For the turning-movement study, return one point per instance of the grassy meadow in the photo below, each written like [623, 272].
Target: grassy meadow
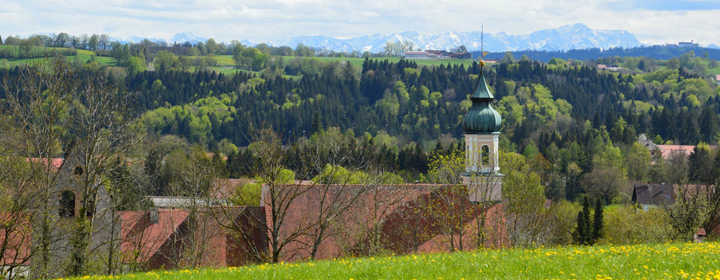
[84, 55]
[650, 261]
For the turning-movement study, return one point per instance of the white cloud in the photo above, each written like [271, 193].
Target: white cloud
[259, 21]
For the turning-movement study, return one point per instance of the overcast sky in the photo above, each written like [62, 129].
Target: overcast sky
[652, 21]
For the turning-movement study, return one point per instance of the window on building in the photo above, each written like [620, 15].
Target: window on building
[485, 153]
[90, 207]
[67, 204]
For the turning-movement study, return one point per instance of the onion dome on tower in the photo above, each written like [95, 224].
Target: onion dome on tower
[482, 118]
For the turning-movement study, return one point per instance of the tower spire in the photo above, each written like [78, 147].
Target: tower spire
[482, 40]
[482, 46]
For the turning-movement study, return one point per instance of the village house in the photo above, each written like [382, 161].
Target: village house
[653, 195]
[667, 151]
[612, 68]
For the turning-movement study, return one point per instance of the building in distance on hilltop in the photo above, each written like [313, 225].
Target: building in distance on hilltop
[436, 54]
[688, 44]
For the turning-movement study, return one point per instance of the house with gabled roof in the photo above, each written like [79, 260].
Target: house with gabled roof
[653, 195]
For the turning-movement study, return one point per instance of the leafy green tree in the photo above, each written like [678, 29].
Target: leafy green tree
[165, 61]
[120, 53]
[136, 65]
[508, 58]
[638, 162]
[604, 182]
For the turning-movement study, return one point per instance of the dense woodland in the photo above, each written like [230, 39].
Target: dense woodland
[569, 132]
[406, 111]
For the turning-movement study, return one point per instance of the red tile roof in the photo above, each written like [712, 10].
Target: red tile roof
[15, 237]
[142, 239]
[667, 150]
[225, 188]
[414, 200]
[56, 163]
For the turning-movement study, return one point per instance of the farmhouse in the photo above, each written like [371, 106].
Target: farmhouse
[667, 151]
[653, 195]
[421, 55]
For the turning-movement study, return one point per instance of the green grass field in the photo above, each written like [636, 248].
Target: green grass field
[661, 261]
[84, 55]
[715, 70]
[226, 61]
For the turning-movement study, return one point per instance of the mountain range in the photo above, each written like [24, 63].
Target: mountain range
[576, 36]
[564, 38]
[177, 38]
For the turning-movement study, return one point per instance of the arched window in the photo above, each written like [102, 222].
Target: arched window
[90, 207]
[485, 150]
[67, 204]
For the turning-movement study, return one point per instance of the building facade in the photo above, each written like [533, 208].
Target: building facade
[482, 126]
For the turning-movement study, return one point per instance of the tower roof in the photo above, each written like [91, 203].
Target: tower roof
[482, 91]
[482, 118]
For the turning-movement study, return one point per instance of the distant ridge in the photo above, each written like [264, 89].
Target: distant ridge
[179, 38]
[576, 36]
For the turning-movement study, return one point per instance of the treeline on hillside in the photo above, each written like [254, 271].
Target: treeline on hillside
[655, 52]
[419, 104]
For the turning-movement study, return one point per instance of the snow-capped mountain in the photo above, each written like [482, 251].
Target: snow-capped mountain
[576, 36]
[186, 37]
[713, 46]
[177, 38]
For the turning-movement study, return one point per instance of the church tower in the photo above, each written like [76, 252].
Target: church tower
[482, 126]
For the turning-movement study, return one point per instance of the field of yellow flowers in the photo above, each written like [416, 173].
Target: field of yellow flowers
[658, 261]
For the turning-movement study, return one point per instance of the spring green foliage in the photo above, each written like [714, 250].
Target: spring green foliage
[248, 194]
[667, 261]
[532, 102]
[625, 224]
[340, 175]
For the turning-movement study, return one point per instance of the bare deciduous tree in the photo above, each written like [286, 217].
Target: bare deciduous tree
[40, 100]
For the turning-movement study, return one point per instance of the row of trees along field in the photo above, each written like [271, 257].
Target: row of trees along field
[569, 132]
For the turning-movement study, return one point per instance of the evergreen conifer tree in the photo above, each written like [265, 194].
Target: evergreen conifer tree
[597, 222]
[583, 233]
[317, 125]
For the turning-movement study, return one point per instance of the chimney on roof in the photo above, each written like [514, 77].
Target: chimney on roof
[154, 216]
